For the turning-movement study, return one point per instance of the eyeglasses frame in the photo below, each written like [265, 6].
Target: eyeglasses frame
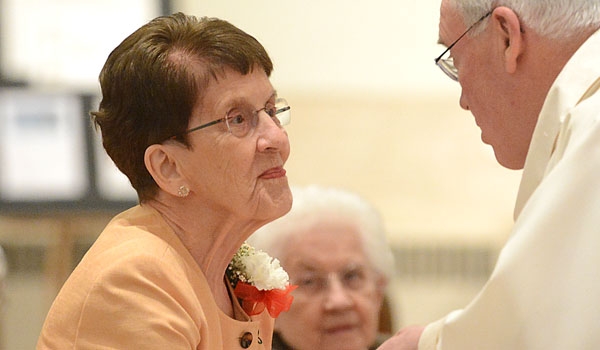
[220, 120]
[451, 73]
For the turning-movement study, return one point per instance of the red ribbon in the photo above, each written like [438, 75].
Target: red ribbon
[254, 301]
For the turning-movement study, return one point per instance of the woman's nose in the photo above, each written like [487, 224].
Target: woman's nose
[337, 296]
[272, 136]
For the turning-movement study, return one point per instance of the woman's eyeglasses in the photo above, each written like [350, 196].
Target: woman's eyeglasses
[353, 278]
[240, 121]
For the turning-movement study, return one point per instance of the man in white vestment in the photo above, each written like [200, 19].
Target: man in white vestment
[529, 71]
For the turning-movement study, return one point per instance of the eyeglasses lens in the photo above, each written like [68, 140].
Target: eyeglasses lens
[241, 122]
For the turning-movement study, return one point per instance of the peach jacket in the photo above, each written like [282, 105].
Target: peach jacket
[139, 288]
[544, 292]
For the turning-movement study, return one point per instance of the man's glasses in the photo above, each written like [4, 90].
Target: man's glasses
[447, 64]
[240, 121]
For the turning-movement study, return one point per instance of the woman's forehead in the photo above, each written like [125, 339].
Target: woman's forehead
[325, 245]
[234, 89]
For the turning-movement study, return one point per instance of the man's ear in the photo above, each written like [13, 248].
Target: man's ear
[509, 30]
[164, 168]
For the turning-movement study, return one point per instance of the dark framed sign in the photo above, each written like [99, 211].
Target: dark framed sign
[51, 157]
[51, 52]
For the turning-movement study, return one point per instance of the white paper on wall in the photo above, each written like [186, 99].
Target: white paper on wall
[42, 147]
[66, 42]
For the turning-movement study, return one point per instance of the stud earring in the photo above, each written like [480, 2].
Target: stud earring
[183, 191]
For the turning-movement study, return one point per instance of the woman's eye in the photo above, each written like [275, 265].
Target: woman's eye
[306, 282]
[354, 278]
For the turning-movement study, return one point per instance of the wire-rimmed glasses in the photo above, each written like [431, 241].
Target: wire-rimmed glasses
[240, 121]
[447, 64]
[354, 278]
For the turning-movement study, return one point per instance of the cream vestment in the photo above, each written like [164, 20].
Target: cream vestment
[544, 292]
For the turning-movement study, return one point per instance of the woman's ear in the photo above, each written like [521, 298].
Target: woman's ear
[164, 169]
[511, 36]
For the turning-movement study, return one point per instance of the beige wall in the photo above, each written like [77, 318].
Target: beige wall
[420, 160]
[375, 46]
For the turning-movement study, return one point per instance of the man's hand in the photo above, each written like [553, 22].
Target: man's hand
[406, 339]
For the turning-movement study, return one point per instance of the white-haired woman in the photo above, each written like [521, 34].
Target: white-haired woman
[333, 246]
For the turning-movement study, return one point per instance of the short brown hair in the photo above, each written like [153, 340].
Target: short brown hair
[149, 90]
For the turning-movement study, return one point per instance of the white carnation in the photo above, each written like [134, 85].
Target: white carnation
[265, 272]
[257, 268]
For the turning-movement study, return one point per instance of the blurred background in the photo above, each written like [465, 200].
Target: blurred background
[370, 113]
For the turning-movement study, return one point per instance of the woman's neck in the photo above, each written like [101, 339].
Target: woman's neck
[211, 244]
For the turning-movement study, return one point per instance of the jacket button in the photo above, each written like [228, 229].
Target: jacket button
[246, 340]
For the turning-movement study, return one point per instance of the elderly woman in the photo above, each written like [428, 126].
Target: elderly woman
[189, 115]
[333, 246]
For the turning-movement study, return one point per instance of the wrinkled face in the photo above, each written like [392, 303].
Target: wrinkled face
[495, 97]
[232, 176]
[337, 302]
